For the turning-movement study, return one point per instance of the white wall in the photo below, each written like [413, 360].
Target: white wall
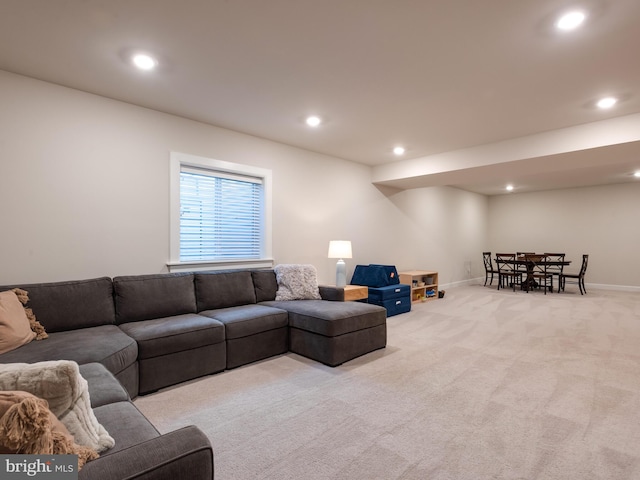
[602, 221]
[442, 229]
[84, 182]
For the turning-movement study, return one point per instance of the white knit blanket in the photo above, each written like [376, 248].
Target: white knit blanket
[59, 382]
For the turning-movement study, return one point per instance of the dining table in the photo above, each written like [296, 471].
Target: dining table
[529, 261]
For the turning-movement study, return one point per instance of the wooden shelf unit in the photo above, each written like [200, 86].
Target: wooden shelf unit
[419, 292]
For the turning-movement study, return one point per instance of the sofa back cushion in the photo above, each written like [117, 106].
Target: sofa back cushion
[265, 284]
[61, 306]
[144, 297]
[224, 289]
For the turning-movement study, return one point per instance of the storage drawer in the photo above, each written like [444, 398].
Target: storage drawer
[389, 292]
[395, 306]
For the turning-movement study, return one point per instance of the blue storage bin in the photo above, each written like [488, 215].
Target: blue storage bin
[384, 287]
[389, 292]
[369, 276]
[395, 306]
[391, 273]
[374, 275]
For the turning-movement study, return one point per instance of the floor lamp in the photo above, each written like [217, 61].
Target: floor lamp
[340, 249]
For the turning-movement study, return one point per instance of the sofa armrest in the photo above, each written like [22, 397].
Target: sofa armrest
[331, 293]
[183, 453]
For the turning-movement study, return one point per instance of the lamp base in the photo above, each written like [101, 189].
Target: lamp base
[341, 273]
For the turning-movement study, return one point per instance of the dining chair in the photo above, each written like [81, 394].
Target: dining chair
[538, 274]
[576, 278]
[507, 270]
[520, 255]
[555, 270]
[488, 267]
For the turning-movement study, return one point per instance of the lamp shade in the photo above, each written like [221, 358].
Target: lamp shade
[339, 249]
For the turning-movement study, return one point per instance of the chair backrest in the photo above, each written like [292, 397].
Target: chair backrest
[537, 261]
[583, 268]
[522, 254]
[505, 262]
[486, 257]
[555, 257]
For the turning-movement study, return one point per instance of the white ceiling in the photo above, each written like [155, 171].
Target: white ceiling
[434, 76]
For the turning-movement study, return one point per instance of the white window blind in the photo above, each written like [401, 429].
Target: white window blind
[221, 215]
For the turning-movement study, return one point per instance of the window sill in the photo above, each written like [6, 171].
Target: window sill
[219, 265]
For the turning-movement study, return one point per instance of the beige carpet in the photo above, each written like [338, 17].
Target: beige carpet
[482, 384]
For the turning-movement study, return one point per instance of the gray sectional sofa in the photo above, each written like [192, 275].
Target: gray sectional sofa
[133, 335]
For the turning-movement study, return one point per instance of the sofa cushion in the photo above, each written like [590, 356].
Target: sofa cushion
[14, 324]
[163, 336]
[265, 285]
[331, 318]
[62, 306]
[126, 425]
[106, 344]
[103, 386]
[143, 297]
[223, 289]
[183, 453]
[248, 320]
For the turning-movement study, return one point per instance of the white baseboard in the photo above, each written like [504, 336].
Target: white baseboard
[619, 288]
[469, 281]
[594, 286]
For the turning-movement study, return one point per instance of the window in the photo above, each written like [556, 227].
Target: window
[220, 214]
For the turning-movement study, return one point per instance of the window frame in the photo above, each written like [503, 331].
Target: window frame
[176, 161]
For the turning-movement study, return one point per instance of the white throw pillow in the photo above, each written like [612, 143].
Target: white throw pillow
[59, 382]
[297, 282]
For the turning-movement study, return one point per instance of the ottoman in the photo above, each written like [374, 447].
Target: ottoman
[395, 298]
[384, 287]
[334, 332]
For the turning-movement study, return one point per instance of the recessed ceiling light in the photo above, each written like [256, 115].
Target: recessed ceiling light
[571, 20]
[313, 121]
[398, 150]
[509, 188]
[607, 102]
[637, 174]
[144, 61]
